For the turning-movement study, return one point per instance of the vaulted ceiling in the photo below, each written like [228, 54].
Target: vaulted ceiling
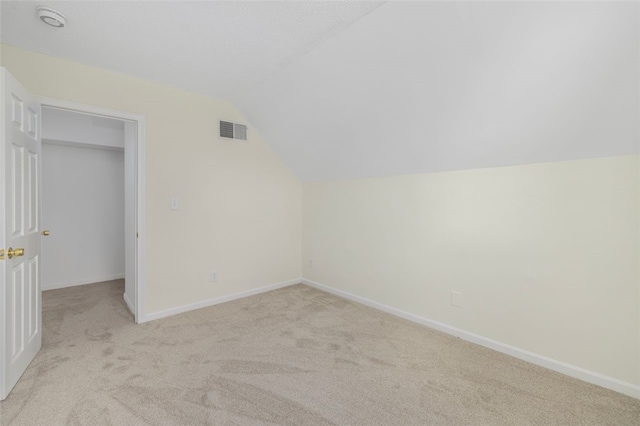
[215, 48]
[357, 89]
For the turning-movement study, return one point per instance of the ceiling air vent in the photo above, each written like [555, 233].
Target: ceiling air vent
[229, 130]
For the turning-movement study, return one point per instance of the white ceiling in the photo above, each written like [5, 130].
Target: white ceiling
[425, 87]
[355, 89]
[210, 47]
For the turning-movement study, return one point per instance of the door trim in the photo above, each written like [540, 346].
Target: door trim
[140, 173]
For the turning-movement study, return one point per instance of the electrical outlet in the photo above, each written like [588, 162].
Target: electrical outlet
[311, 263]
[174, 204]
[214, 277]
[456, 298]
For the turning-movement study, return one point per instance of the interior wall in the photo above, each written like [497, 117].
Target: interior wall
[239, 205]
[83, 207]
[69, 126]
[130, 238]
[546, 256]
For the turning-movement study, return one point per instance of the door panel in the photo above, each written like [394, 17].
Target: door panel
[33, 299]
[32, 128]
[32, 193]
[17, 107]
[16, 189]
[20, 183]
[17, 303]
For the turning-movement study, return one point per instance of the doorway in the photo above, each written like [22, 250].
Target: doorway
[104, 140]
[21, 232]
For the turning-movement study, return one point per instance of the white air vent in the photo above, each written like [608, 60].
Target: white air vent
[229, 130]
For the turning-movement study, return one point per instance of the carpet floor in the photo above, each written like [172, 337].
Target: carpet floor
[294, 356]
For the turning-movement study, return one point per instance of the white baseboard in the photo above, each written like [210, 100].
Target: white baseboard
[215, 301]
[84, 281]
[543, 361]
[129, 304]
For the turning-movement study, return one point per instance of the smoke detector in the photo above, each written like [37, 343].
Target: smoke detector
[51, 16]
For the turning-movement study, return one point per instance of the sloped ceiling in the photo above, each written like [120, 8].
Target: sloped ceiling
[434, 86]
[213, 48]
[354, 89]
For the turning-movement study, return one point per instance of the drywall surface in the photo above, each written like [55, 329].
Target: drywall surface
[432, 86]
[68, 126]
[130, 239]
[545, 256]
[239, 205]
[83, 206]
[260, 36]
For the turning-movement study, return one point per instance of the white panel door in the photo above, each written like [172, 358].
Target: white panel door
[20, 184]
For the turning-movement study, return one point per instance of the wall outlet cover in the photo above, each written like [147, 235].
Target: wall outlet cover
[174, 204]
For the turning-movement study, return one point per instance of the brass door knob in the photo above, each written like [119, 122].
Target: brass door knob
[1, 254]
[46, 233]
[17, 252]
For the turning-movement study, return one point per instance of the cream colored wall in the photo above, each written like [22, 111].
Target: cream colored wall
[546, 255]
[239, 205]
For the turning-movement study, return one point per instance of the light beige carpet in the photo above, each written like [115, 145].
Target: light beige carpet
[291, 356]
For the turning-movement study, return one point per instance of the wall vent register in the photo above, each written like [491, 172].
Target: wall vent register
[229, 130]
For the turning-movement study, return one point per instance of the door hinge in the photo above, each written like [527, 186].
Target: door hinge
[136, 235]
[1, 254]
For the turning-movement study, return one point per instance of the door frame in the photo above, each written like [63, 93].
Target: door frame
[139, 192]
